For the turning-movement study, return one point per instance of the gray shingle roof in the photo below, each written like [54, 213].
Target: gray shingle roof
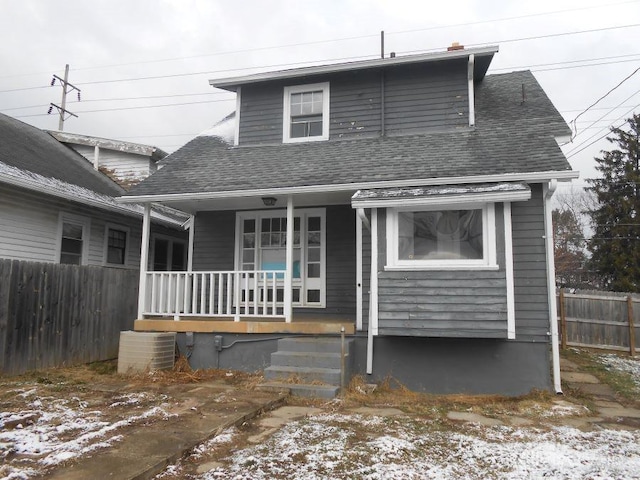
[33, 150]
[511, 136]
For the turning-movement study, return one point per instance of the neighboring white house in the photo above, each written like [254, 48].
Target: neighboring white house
[55, 207]
[126, 162]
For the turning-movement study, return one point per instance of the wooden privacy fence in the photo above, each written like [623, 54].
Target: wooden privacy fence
[55, 315]
[605, 320]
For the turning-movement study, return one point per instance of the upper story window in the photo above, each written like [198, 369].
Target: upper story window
[306, 113]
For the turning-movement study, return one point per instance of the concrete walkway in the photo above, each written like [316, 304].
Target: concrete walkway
[146, 451]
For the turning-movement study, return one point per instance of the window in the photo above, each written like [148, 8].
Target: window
[74, 232]
[262, 244]
[116, 245]
[169, 254]
[462, 236]
[306, 113]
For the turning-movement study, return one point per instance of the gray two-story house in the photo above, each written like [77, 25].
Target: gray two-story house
[405, 200]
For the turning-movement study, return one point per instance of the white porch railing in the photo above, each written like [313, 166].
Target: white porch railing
[256, 293]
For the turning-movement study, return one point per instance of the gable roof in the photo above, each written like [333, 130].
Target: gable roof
[511, 137]
[30, 149]
[483, 56]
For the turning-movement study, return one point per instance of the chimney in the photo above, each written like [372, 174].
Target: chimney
[455, 46]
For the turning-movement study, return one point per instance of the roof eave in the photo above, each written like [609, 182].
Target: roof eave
[231, 83]
[531, 177]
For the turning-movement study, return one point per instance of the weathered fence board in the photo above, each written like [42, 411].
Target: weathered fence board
[54, 315]
[604, 320]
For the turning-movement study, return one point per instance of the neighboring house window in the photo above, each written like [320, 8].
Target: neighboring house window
[306, 113]
[460, 236]
[169, 254]
[262, 244]
[116, 245]
[74, 237]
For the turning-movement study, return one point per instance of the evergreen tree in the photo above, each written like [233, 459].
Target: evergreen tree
[615, 245]
[568, 250]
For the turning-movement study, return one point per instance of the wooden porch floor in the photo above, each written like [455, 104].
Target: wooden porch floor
[298, 325]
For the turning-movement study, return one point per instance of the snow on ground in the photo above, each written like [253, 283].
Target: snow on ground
[48, 431]
[355, 446]
[629, 365]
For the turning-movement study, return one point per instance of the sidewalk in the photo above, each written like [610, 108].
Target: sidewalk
[146, 451]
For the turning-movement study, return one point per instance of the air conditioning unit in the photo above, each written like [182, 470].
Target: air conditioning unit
[146, 351]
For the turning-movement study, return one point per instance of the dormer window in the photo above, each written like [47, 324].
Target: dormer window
[306, 113]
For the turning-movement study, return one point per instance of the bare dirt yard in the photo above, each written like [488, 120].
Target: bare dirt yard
[50, 419]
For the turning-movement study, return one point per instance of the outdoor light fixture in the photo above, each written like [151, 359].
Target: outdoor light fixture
[269, 201]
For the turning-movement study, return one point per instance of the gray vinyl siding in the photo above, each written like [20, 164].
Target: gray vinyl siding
[443, 303]
[30, 228]
[427, 98]
[530, 268]
[214, 241]
[416, 100]
[261, 112]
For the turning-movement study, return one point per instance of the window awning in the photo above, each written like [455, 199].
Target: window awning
[442, 195]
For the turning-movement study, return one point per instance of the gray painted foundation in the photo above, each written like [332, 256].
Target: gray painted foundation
[432, 365]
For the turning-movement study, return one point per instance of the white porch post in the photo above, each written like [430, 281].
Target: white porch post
[288, 276]
[144, 259]
[192, 226]
[508, 264]
[358, 270]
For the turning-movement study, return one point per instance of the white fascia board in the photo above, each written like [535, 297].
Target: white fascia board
[534, 177]
[230, 83]
[487, 197]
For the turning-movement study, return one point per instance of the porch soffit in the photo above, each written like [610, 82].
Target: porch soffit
[433, 195]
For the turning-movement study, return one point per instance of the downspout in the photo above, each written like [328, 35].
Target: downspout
[551, 285]
[373, 294]
[472, 100]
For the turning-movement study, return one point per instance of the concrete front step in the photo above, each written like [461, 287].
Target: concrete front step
[301, 389]
[308, 359]
[320, 345]
[330, 376]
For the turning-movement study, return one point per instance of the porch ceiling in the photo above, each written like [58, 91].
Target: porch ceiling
[193, 205]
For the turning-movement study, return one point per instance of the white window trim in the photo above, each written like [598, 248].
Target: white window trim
[286, 119]
[127, 244]
[488, 262]
[258, 215]
[85, 223]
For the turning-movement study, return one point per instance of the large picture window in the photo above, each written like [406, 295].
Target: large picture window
[306, 113]
[463, 236]
[262, 245]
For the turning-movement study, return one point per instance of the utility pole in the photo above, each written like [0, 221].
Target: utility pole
[66, 88]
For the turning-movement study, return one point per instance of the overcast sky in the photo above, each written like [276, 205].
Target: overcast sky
[127, 54]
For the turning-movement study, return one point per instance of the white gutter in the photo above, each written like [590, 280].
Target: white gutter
[465, 198]
[551, 285]
[533, 177]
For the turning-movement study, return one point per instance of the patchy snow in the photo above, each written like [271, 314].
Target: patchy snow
[49, 431]
[628, 365]
[224, 129]
[355, 446]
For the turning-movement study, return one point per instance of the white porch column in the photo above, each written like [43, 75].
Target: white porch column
[144, 259]
[192, 226]
[288, 276]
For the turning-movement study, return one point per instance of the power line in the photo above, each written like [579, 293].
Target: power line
[342, 39]
[281, 65]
